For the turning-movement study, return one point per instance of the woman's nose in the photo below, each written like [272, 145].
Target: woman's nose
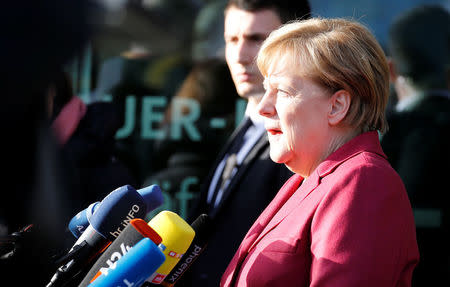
[266, 106]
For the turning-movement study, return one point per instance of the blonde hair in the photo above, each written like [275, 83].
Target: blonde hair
[337, 54]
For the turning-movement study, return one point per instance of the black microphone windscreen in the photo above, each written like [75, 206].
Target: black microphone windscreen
[201, 226]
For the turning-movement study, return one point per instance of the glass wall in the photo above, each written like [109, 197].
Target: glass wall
[139, 60]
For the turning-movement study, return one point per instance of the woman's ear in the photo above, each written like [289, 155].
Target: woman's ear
[340, 103]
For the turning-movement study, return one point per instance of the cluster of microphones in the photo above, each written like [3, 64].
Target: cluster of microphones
[115, 246]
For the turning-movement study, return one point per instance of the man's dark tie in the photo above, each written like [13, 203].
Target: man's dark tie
[228, 169]
[231, 158]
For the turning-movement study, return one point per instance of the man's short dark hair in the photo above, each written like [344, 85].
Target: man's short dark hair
[419, 45]
[287, 10]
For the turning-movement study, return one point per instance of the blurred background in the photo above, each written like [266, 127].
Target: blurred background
[135, 92]
[154, 102]
[146, 48]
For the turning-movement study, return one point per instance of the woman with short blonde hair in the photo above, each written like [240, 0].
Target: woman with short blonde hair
[343, 218]
[338, 54]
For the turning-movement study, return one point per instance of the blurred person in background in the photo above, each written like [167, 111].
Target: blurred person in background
[418, 140]
[344, 218]
[144, 77]
[85, 134]
[243, 179]
[37, 39]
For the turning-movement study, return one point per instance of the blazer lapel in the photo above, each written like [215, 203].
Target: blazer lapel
[308, 185]
[238, 132]
[260, 224]
[298, 195]
[251, 156]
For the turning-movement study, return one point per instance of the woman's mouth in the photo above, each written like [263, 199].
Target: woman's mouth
[274, 131]
[244, 77]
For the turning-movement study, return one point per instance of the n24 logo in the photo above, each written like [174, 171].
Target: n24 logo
[112, 261]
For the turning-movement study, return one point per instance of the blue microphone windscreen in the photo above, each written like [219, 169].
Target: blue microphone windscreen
[80, 222]
[152, 196]
[116, 211]
[91, 209]
[133, 268]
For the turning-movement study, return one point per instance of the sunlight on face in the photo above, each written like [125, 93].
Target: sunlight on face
[295, 115]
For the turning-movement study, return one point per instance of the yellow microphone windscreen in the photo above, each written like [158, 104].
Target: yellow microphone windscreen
[177, 236]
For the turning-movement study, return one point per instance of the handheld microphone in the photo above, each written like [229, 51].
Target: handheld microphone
[176, 236]
[137, 230]
[80, 222]
[202, 227]
[113, 214]
[152, 196]
[134, 267]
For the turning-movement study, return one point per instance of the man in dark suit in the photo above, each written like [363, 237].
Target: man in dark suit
[243, 179]
[417, 143]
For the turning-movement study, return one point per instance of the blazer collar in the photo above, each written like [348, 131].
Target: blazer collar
[295, 190]
[254, 232]
[235, 180]
[238, 132]
[367, 142]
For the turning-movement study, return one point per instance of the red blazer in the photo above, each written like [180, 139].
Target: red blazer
[349, 223]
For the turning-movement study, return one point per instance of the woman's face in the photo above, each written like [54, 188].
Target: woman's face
[295, 111]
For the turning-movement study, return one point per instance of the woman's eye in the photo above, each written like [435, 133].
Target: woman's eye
[282, 93]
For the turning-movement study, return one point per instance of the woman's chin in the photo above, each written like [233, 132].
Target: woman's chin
[279, 157]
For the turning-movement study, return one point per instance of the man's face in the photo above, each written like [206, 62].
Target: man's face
[244, 33]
